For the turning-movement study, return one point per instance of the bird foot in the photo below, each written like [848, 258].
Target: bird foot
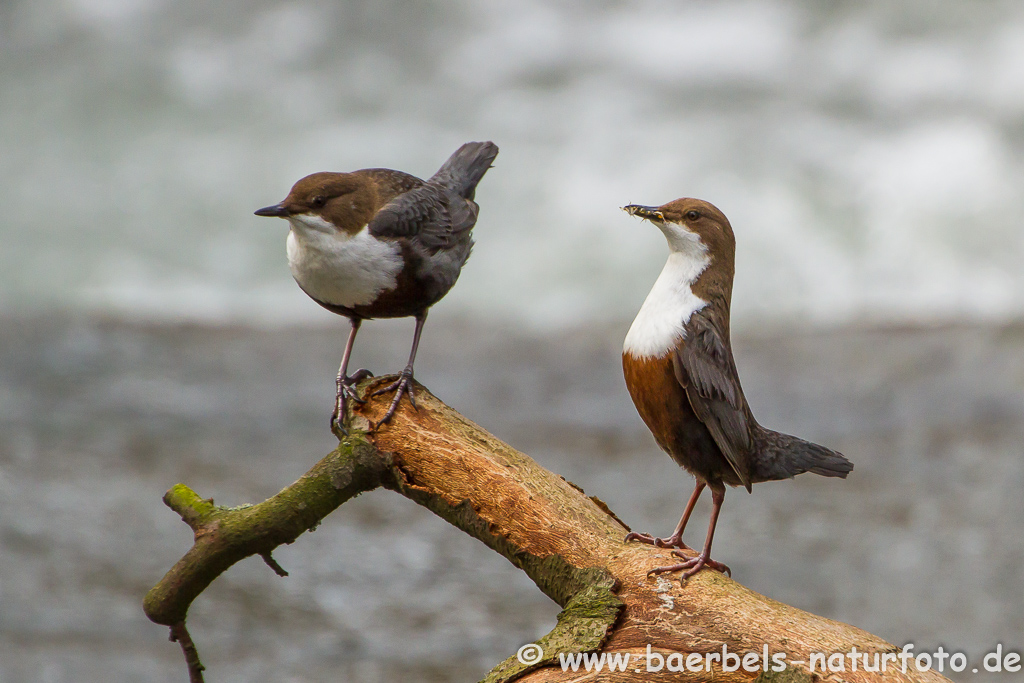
[403, 385]
[691, 566]
[670, 542]
[346, 390]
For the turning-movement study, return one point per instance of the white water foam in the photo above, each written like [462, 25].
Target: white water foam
[869, 157]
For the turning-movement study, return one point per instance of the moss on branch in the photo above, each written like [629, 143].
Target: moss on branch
[224, 535]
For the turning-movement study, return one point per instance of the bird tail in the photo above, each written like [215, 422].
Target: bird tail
[466, 167]
[786, 456]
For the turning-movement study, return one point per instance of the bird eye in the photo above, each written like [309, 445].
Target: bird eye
[692, 215]
[317, 201]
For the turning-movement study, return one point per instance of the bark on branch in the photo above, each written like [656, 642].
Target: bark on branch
[569, 544]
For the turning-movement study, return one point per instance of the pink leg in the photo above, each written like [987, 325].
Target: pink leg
[693, 565]
[676, 539]
[404, 383]
[346, 384]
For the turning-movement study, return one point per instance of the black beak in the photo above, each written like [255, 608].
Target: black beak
[275, 211]
[648, 212]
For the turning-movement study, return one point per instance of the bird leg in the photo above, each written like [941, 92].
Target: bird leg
[403, 385]
[693, 565]
[346, 384]
[676, 539]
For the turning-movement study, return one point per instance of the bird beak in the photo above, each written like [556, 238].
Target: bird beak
[275, 211]
[648, 212]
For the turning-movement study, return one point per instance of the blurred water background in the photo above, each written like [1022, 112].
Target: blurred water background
[870, 156]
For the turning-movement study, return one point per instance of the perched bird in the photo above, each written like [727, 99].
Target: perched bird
[378, 243]
[681, 375]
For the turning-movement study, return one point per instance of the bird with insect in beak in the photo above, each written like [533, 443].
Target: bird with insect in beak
[378, 243]
[680, 373]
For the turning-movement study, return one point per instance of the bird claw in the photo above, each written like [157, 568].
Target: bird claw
[691, 566]
[346, 390]
[670, 542]
[403, 385]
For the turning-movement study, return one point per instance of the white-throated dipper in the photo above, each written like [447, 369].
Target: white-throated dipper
[681, 375]
[378, 243]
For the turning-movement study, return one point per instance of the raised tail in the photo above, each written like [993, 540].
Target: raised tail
[466, 167]
[782, 456]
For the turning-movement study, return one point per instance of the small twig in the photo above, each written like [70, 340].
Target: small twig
[272, 563]
[180, 635]
[224, 536]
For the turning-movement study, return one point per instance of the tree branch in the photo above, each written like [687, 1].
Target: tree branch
[223, 536]
[568, 544]
[180, 635]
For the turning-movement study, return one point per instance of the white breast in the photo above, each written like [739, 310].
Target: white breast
[338, 268]
[660, 324]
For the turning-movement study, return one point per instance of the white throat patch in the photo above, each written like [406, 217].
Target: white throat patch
[338, 268]
[661, 322]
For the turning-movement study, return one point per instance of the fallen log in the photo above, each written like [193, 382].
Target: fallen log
[569, 544]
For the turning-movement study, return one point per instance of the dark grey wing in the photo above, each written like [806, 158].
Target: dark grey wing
[705, 368]
[432, 216]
